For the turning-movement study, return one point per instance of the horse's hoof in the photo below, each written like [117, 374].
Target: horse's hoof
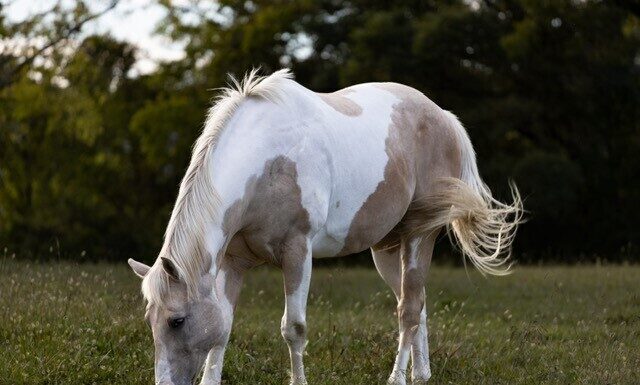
[397, 379]
[421, 379]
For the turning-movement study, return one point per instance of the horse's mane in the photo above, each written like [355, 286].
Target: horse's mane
[198, 201]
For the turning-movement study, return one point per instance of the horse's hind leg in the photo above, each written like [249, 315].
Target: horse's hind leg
[420, 367]
[388, 264]
[406, 276]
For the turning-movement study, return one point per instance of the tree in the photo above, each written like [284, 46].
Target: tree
[549, 92]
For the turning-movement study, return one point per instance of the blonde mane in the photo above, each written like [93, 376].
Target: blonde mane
[198, 201]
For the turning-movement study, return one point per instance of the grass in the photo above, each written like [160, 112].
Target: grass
[82, 324]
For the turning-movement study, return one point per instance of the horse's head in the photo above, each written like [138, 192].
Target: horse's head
[185, 327]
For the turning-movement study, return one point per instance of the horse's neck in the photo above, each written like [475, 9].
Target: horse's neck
[257, 132]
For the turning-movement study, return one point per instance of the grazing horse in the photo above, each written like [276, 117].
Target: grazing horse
[282, 174]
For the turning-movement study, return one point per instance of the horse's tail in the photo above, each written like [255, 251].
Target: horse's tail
[481, 226]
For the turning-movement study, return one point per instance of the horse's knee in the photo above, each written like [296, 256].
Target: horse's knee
[293, 331]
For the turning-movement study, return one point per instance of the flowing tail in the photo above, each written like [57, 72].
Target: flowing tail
[481, 226]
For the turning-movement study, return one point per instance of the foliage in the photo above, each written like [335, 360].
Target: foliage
[91, 156]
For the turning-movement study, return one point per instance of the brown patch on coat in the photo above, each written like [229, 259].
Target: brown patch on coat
[438, 152]
[386, 206]
[413, 279]
[421, 148]
[293, 255]
[237, 260]
[412, 299]
[339, 102]
[270, 222]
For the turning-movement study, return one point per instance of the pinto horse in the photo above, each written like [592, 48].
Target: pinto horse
[281, 174]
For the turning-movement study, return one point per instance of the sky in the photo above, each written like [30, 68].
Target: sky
[133, 21]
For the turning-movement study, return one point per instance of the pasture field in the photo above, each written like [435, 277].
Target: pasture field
[65, 323]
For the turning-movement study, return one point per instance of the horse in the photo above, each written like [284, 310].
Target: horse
[281, 175]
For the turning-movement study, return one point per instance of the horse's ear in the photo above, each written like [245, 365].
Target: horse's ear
[139, 268]
[170, 268]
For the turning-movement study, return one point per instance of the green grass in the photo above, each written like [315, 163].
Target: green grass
[82, 324]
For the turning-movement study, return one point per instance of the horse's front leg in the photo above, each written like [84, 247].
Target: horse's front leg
[296, 269]
[213, 366]
[228, 285]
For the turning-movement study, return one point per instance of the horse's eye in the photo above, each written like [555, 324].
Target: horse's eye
[175, 322]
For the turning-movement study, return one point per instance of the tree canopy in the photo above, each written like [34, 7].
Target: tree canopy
[91, 154]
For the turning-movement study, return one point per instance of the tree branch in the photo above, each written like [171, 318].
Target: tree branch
[64, 35]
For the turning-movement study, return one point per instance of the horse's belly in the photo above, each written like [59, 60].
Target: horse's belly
[340, 212]
[366, 190]
[364, 207]
[377, 217]
[325, 245]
